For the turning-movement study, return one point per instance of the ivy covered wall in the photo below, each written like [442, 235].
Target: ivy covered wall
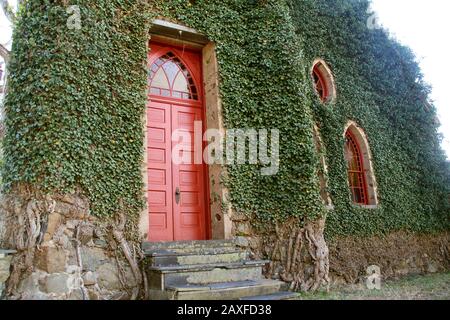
[77, 98]
[76, 101]
[380, 86]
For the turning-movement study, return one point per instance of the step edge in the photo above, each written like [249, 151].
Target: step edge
[224, 294]
[260, 284]
[192, 244]
[206, 267]
[182, 254]
[282, 295]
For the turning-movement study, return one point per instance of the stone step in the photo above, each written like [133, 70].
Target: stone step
[282, 295]
[4, 253]
[188, 245]
[191, 251]
[161, 277]
[218, 291]
[170, 258]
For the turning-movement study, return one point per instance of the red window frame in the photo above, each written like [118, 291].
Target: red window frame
[320, 84]
[356, 176]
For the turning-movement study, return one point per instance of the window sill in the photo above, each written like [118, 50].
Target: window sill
[367, 207]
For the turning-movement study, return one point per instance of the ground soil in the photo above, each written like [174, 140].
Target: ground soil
[419, 287]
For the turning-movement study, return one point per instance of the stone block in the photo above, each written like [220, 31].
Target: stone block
[76, 295]
[5, 264]
[51, 260]
[243, 228]
[92, 258]
[36, 296]
[75, 200]
[255, 243]
[57, 283]
[261, 287]
[108, 277]
[54, 220]
[30, 285]
[94, 295]
[432, 267]
[86, 233]
[242, 241]
[239, 217]
[90, 278]
[101, 243]
[71, 211]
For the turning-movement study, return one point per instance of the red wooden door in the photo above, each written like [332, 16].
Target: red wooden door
[176, 189]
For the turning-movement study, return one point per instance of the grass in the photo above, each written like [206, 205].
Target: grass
[428, 287]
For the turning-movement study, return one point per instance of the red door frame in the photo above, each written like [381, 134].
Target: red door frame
[197, 75]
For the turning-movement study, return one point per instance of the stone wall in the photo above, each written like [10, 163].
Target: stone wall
[397, 254]
[74, 258]
[245, 235]
[5, 263]
[77, 257]
[3, 222]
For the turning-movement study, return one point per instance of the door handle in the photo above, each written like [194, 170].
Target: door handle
[177, 195]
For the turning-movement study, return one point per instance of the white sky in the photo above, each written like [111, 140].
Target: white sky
[423, 25]
[5, 26]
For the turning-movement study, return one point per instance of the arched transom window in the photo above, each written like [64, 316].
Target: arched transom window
[169, 77]
[361, 177]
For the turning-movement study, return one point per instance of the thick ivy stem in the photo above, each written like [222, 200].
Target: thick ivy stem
[118, 232]
[24, 231]
[305, 246]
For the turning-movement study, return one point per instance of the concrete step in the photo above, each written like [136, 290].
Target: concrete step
[218, 291]
[191, 251]
[282, 295]
[170, 258]
[187, 245]
[161, 277]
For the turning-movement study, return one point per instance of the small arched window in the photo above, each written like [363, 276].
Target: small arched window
[323, 81]
[355, 168]
[169, 77]
[361, 177]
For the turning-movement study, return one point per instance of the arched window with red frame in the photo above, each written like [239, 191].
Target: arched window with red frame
[320, 84]
[355, 169]
[323, 81]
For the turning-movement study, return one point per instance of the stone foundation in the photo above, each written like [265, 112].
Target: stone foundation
[397, 254]
[75, 256]
[5, 264]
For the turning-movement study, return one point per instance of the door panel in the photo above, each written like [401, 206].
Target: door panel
[159, 172]
[189, 212]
